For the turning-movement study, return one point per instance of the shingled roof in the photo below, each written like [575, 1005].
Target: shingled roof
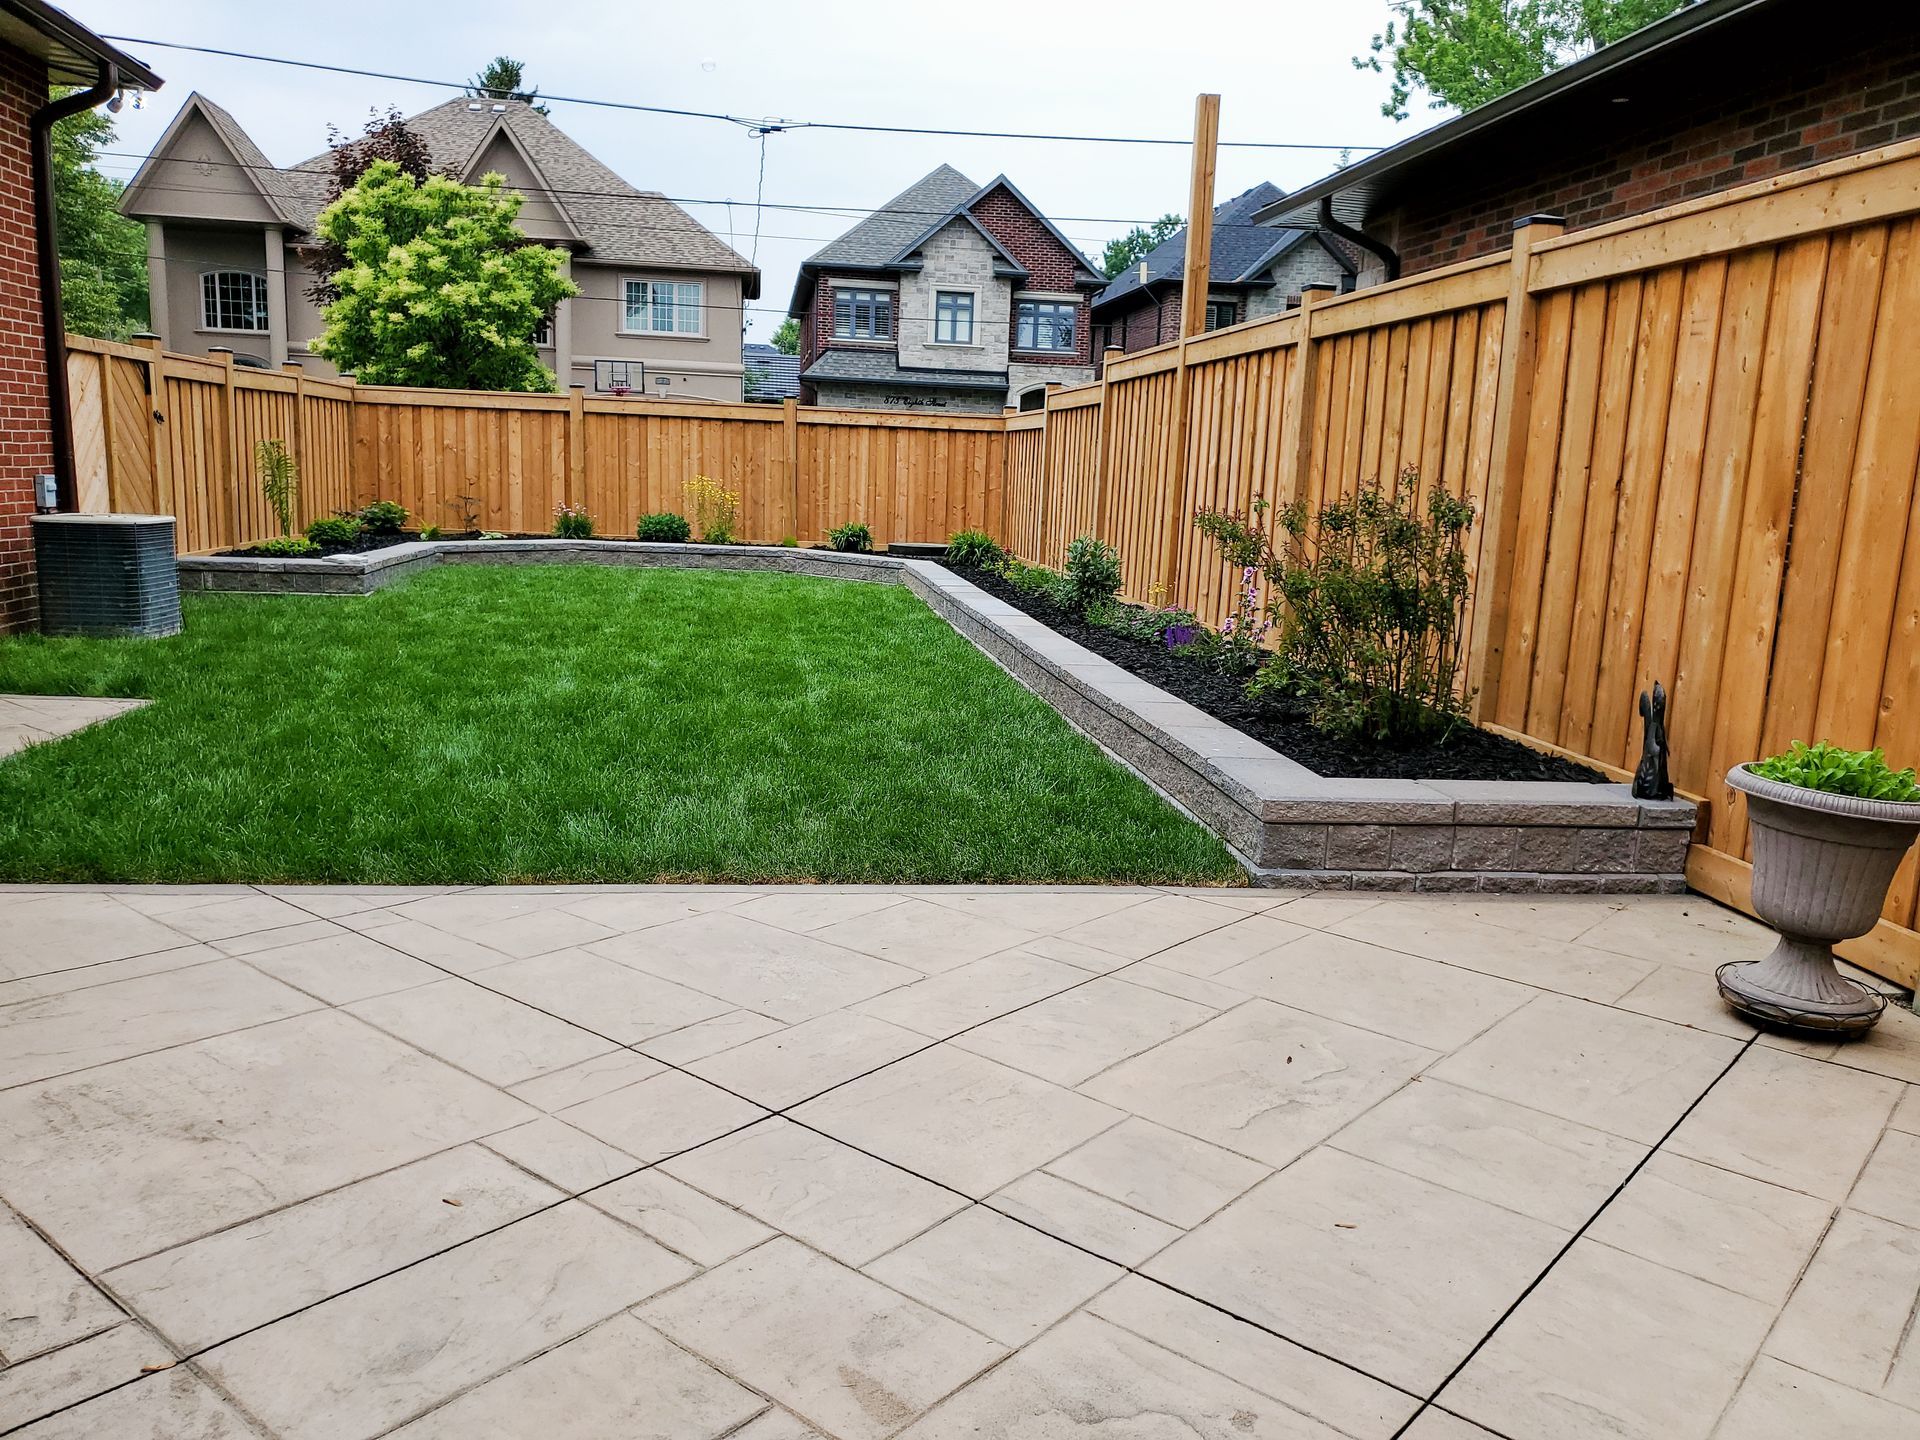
[1241, 251]
[615, 222]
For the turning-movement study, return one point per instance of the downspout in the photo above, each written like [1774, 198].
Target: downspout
[1388, 257]
[47, 246]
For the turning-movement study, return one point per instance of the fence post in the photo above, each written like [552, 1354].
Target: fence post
[1177, 480]
[1513, 404]
[1103, 440]
[790, 438]
[222, 355]
[1296, 427]
[576, 481]
[158, 451]
[298, 440]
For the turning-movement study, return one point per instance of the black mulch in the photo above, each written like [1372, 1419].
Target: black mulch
[1466, 754]
[361, 544]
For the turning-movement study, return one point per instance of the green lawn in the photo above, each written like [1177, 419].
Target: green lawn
[543, 724]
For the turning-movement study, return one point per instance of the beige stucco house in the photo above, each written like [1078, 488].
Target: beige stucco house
[660, 304]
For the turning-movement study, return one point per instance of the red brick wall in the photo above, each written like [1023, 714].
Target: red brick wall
[26, 436]
[1850, 88]
[1048, 263]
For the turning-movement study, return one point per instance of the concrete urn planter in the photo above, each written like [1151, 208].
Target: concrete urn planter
[1821, 867]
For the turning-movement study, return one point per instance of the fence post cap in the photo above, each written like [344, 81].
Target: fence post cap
[1544, 217]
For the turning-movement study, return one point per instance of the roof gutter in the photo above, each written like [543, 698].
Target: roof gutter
[1388, 256]
[47, 246]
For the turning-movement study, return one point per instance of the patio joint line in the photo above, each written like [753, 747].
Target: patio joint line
[1574, 1239]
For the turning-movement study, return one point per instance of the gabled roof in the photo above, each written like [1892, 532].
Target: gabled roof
[1658, 61]
[886, 239]
[1241, 252]
[615, 222]
[276, 189]
[500, 130]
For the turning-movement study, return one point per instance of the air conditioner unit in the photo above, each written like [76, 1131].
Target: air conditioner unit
[107, 574]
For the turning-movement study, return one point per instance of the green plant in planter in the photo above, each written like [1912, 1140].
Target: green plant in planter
[383, 517]
[973, 547]
[1093, 573]
[667, 527]
[1827, 767]
[287, 547]
[334, 531]
[279, 481]
[855, 538]
[572, 522]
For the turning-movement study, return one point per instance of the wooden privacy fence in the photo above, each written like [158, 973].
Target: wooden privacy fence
[1691, 438]
[156, 432]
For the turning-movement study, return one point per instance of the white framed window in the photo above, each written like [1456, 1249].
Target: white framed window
[863, 314]
[1044, 325]
[953, 317]
[1221, 314]
[665, 307]
[233, 300]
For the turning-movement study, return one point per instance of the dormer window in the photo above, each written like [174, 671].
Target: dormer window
[233, 300]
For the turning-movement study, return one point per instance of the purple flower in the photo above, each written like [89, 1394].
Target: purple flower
[1178, 636]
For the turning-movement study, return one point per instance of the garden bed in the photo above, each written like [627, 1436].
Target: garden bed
[1466, 754]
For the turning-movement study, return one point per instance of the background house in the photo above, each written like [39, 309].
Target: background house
[39, 47]
[1254, 271]
[659, 309]
[772, 374]
[1718, 94]
[952, 295]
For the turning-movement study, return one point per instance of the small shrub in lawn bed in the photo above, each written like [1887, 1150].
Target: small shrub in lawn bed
[973, 547]
[1034, 580]
[1162, 626]
[286, 547]
[382, 517]
[432, 532]
[1835, 770]
[1093, 573]
[669, 528]
[855, 538]
[716, 509]
[572, 522]
[279, 481]
[335, 532]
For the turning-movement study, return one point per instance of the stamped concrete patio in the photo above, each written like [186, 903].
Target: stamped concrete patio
[695, 1163]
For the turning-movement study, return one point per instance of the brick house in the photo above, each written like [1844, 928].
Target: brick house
[952, 296]
[1718, 94]
[39, 47]
[1254, 271]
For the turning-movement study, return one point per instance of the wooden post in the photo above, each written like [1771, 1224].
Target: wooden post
[576, 483]
[1104, 443]
[1513, 405]
[1199, 261]
[1296, 429]
[790, 438]
[297, 441]
[222, 355]
[158, 450]
[107, 437]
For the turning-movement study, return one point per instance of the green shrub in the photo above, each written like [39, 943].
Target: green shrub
[279, 481]
[432, 532]
[1829, 768]
[1093, 573]
[667, 527]
[1371, 595]
[1148, 625]
[383, 517]
[1034, 580]
[334, 531]
[973, 547]
[491, 535]
[787, 542]
[572, 522]
[286, 547]
[855, 538]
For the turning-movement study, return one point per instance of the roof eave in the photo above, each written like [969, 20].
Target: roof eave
[73, 45]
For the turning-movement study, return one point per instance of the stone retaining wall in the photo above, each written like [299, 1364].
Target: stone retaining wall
[1288, 825]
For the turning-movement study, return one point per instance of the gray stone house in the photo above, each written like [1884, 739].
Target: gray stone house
[1253, 271]
[951, 296]
[661, 299]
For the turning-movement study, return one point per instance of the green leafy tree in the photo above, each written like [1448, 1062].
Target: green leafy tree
[1133, 246]
[1464, 53]
[787, 338]
[103, 267]
[384, 137]
[439, 288]
[502, 80]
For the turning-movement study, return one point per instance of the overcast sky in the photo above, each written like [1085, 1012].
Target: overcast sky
[1282, 69]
